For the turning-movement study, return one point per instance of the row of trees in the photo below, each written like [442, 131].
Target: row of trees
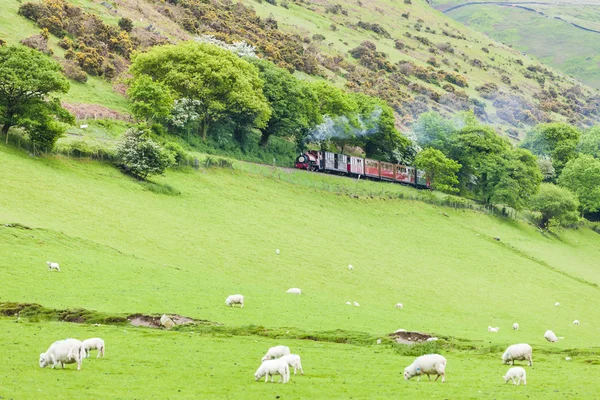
[555, 171]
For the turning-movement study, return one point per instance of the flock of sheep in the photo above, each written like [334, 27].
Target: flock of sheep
[278, 359]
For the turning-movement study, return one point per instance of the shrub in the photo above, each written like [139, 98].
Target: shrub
[126, 24]
[37, 42]
[73, 71]
[178, 152]
[140, 156]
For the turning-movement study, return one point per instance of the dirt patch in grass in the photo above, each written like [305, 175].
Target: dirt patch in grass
[153, 321]
[410, 337]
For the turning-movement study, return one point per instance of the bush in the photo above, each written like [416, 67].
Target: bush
[126, 24]
[140, 156]
[178, 152]
[38, 42]
[73, 71]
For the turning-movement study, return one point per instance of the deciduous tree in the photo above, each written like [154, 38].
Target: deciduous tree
[556, 204]
[440, 170]
[582, 177]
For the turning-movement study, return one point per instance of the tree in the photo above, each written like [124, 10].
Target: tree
[556, 204]
[333, 101]
[557, 140]
[439, 169]
[150, 100]
[141, 156]
[221, 82]
[582, 177]
[433, 130]
[294, 104]
[46, 123]
[546, 168]
[126, 24]
[27, 79]
[518, 179]
[589, 143]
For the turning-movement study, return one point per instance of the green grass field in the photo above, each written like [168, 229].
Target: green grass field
[123, 250]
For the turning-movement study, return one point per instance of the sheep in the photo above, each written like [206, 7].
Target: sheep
[52, 265]
[576, 322]
[514, 352]
[356, 304]
[398, 305]
[516, 326]
[293, 361]
[276, 352]
[427, 364]
[515, 373]
[400, 330]
[94, 343]
[432, 339]
[63, 352]
[273, 367]
[490, 329]
[294, 290]
[235, 299]
[277, 251]
[350, 267]
[166, 321]
[567, 358]
[550, 336]
[348, 303]
[556, 304]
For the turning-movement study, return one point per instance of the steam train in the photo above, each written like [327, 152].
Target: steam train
[328, 162]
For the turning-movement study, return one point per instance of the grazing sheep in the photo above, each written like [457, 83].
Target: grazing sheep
[63, 352]
[348, 303]
[398, 305]
[235, 299]
[515, 373]
[576, 322]
[293, 361]
[567, 358]
[273, 367]
[94, 344]
[490, 329]
[516, 326]
[550, 336]
[356, 304]
[166, 321]
[294, 290]
[428, 364]
[378, 341]
[556, 304]
[514, 352]
[400, 330]
[277, 251]
[276, 352]
[350, 267]
[432, 339]
[53, 265]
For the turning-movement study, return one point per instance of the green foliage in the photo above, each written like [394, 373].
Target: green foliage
[589, 143]
[294, 104]
[518, 179]
[433, 130]
[556, 205]
[150, 100]
[140, 156]
[440, 170]
[179, 154]
[332, 100]
[582, 177]
[557, 140]
[222, 83]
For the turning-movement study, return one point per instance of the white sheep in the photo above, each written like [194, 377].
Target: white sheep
[400, 330]
[356, 304]
[52, 265]
[516, 326]
[273, 367]
[350, 267]
[398, 305]
[428, 364]
[276, 352]
[517, 374]
[490, 329]
[576, 322]
[432, 339]
[550, 336]
[521, 351]
[277, 251]
[348, 303]
[293, 361]
[94, 344]
[556, 304]
[235, 299]
[166, 321]
[567, 358]
[294, 290]
[63, 352]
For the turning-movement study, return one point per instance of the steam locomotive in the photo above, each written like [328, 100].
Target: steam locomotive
[328, 162]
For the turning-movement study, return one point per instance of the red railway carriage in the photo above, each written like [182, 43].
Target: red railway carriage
[387, 170]
[372, 168]
[405, 174]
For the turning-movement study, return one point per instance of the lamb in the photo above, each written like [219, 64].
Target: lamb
[235, 299]
[516, 326]
[427, 364]
[350, 267]
[63, 352]
[550, 336]
[356, 304]
[166, 321]
[515, 373]
[399, 305]
[556, 304]
[293, 361]
[490, 329]
[432, 339]
[294, 290]
[514, 352]
[52, 265]
[348, 303]
[273, 367]
[94, 344]
[277, 251]
[276, 352]
[576, 322]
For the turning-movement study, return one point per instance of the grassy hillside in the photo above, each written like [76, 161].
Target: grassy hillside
[123, 249]
[557, 34]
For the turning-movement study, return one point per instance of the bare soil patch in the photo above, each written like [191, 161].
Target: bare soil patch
[410, 337]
